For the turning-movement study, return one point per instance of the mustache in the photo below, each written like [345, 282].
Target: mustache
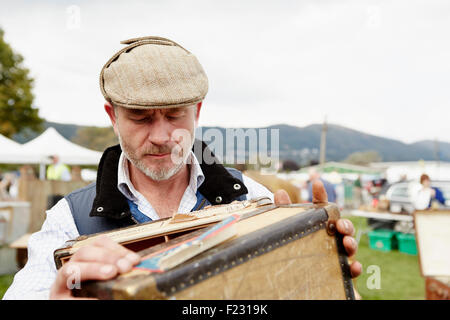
[154, 149]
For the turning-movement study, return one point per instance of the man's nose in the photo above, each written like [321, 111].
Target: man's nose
[160, 131]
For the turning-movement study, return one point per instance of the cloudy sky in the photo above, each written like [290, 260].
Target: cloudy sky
[382, 67]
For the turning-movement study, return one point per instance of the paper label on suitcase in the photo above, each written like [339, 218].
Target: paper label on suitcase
[176, 254]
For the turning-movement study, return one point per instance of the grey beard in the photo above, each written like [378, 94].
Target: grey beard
[156, 175]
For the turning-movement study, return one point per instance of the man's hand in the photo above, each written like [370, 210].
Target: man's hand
[101, 260]
[343, 226]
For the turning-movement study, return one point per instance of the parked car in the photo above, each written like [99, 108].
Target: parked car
[400, 195]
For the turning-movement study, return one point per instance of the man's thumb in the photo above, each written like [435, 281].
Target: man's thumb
[281, 197]
[319, 194]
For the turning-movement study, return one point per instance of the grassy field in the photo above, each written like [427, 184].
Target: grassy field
[5, 282]
[400, 274]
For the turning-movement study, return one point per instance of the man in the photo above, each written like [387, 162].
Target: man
[154, 90]
[58, 170]
[357, 193]
[329, 188]
[427, 196]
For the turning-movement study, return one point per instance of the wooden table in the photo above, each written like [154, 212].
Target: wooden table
[381, 215]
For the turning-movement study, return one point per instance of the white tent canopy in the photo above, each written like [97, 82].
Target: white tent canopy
[50, 142]
[9, 150]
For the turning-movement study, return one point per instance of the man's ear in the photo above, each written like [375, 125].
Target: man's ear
[112, 115]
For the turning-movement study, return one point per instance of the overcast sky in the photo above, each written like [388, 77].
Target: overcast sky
[382, 67]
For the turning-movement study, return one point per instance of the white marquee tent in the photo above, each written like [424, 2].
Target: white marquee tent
[38, 150]
[9, 150]
[50, 142]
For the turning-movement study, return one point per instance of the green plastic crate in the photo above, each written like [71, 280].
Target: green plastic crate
[407, 243]
[383, 240]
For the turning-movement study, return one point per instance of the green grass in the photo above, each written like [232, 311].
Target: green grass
[400, 272]
[5, 282]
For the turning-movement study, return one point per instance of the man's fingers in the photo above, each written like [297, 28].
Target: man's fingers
[89, 271]
[281, 197]
[350, 245]
[103, 259]
[355, 269]
[107, 243]
[345, 227]
[319, 194]
[72, 274]
[106, 256]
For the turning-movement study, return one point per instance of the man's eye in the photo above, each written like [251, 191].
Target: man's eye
[140, 120]
[174, 117]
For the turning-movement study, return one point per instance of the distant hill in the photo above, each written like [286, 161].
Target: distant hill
[68, 131]
[430, 146]
[342, 142]
[303, 143]
[297, 143]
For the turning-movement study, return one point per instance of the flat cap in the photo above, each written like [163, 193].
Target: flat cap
[153, 72]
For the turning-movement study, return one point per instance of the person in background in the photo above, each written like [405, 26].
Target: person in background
[329, 188]
[58, 170]
[8, 187]
[403, 178]
[428, 196]
[357, 193]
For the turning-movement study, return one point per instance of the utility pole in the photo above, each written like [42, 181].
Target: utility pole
[436, 150]
[323, 142]
[436, 156]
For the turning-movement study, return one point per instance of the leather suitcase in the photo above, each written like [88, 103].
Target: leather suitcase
[437, 288]
[433, 244]
[277, 252]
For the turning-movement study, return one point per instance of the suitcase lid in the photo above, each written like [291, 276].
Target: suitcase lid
[433, 242]
[180, 222]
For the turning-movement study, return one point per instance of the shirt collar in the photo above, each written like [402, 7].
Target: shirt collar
[127, 189]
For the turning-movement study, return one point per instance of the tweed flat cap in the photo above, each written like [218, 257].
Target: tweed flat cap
[153, 72]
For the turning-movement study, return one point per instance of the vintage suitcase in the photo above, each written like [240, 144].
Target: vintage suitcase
[267, 252]
[433, 244]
